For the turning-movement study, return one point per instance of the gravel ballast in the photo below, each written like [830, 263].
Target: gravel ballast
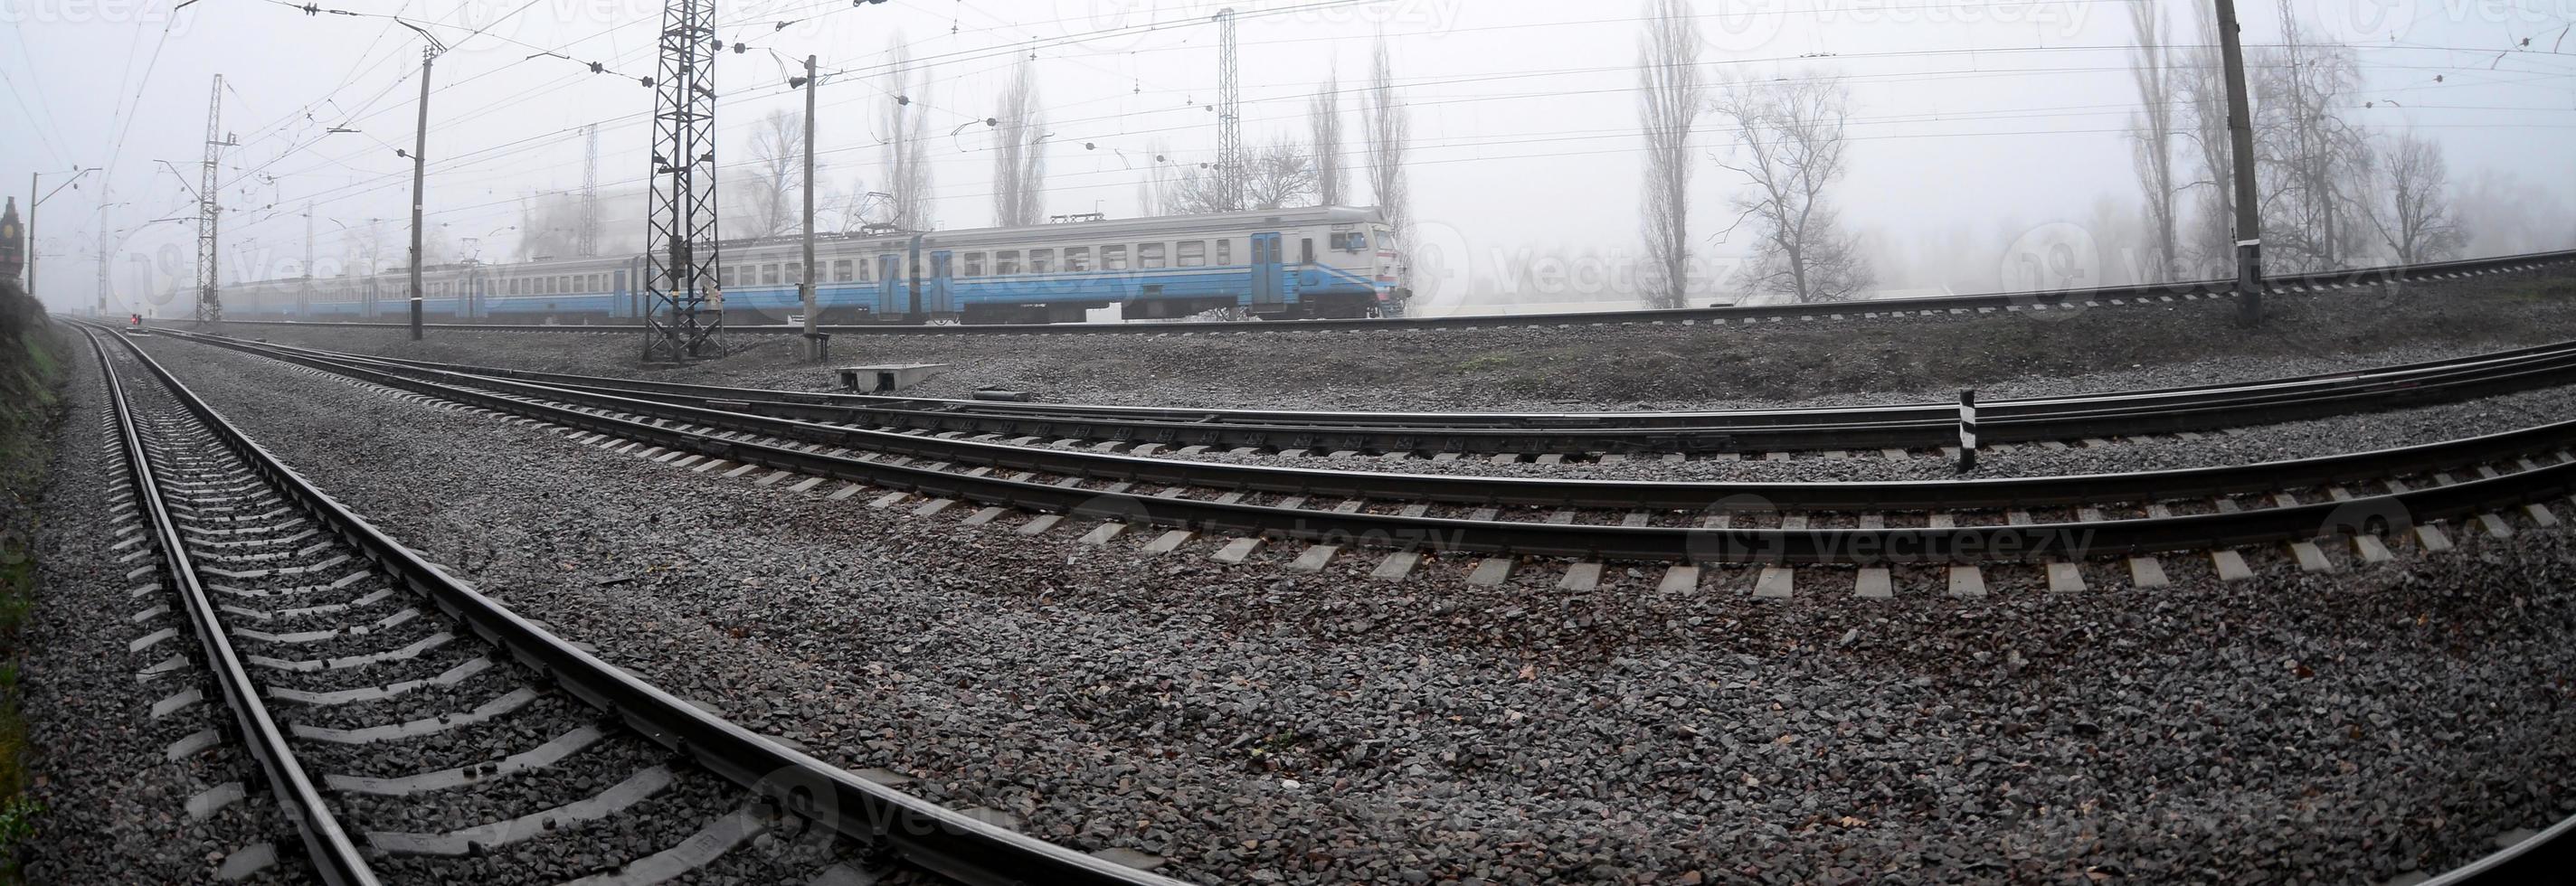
[112, 796]
[1258, 725]
[1584, 367]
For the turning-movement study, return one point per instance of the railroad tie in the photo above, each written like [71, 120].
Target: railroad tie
[1314, 558]
[1396, 566]
[2065, 578]
[1581, 577]
[1967, 581]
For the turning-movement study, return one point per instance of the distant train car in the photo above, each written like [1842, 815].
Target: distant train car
[1283, 263]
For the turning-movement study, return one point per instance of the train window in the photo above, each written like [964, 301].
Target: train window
[974, 264]
[1225, 251]
[1149, 255]
[769, 274]
[841, 270]
[1077, 258]
[1113, 258]
[1041, 261]
[599, 283]
[1192, 253]
[1006, 262]
[867, 271]
[1306, 250]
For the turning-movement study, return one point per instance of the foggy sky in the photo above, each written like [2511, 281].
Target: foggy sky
[1974, 124]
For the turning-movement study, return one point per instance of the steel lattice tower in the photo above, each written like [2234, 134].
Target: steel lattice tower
[210, 305]
[1229, 114]
[684, 304]
[588, 243]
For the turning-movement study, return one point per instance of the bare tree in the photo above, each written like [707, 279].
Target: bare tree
[2210, 247]
[2410, 206]
[1019, 165]
[1389, 127]
[2309, 161]
[1669, 95]
[1332, 174]
[854, 207]
[777, 170]
[1197, 189]
[2151, 135]
[907, 142]
[1789, 147]
[1281, 176]
[549, 224]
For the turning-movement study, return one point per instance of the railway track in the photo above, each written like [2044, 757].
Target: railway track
[2038, 302]
[405, 728]
[2365, 503]
[1896, 431]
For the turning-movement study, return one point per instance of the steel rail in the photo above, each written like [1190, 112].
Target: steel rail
[335, 858]
[1886, 495]
[1652, 543]
[1928, 305]
[938, 839]
[2114, 414]
[2544, 857]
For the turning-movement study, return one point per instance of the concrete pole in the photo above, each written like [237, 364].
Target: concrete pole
[2240, 131]
[813, 344]
[419, 172]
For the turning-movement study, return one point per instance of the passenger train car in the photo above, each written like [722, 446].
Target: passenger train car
[1284, 263]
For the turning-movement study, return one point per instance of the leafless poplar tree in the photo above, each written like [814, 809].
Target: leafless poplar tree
[2151, 135]
[1019, 163]
[1195, 190]
[1281, 176]
[2309, 161]
[1332, 174]
[2410, 206]
[1789, 148]
[1389, 128]
[777, 171]
[907, 142]
[1669, 97]
[2209, 249]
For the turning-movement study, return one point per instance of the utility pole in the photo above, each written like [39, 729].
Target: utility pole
[419, 175]
[813, 338]
[2240, 132]
[33, 199]
[101, 309]
[1229, 115]
[210, 303]
[684, 294]
[586, 241]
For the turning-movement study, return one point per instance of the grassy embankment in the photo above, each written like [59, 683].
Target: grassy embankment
[32, 353]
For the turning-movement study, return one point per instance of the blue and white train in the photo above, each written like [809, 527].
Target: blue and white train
[1332, 261]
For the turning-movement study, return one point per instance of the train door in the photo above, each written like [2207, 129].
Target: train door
[893, 296]
[617, 300]
[1265, 270]
[940, 296]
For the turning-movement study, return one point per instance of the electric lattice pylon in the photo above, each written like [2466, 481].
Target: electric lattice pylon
[684, 299]
[210, 304]
[1229, 114]
[588, 243]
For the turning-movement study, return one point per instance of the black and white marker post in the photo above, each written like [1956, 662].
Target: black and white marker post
[1967, 430]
